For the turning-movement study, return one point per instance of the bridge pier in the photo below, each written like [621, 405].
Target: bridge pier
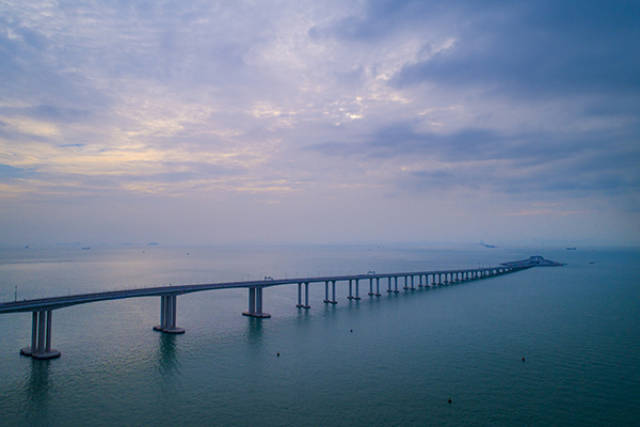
[306, 296]
[350, 289]
[395, 285]
[371, 287]
[41, 337]
[377, 287]
[389, 285]
[333, 292]
[255, 304]
[357, 297]
[168, 314]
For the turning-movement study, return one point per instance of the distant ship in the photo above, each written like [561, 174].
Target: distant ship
[86, 248]
[487, 245]
[571, 249]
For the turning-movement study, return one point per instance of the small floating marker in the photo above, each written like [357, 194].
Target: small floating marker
[523, 358]
[278, 354]
[351, 330]
[450, 401]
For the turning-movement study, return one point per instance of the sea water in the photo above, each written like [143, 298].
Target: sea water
[389, 360]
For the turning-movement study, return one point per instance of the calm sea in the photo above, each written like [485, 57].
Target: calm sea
[578, 327]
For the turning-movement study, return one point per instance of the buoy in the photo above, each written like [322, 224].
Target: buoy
[278, 354]
[450, 401]
[350, 330]
[523, 358]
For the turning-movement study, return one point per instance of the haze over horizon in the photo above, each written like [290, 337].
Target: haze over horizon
[295, 121]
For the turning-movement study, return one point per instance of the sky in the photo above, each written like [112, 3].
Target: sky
[207, 122]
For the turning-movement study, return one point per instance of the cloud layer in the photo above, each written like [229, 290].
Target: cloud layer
[297, 121]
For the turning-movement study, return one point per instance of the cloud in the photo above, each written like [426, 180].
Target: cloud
[314, 104]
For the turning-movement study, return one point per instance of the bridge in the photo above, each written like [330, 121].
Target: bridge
[42, 309]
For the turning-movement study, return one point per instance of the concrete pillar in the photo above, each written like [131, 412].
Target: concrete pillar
[306, 296]
[41, 333]
[389, 285]
[174, 311]
[326, 292]
[371, 287]
[41, 330]
[420, 280]
[406, 283]
[47, 347]
[357, 297]
[377, 286]
[259, 300]
[163, 312]
[350, 289]
[412, 282]
[255, 304]
[395, 285]
[168, 315]
[252, 300]
[34, 331]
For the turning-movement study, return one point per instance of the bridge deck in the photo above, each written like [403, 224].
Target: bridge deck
[64, 301]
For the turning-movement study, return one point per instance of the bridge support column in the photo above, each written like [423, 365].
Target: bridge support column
[333, 292]
[395, 285]
[413, 286]
[406, 283]
[389, 285]
[377, 287]
[168, 315]
[255, 304]
[371, 287]
[357, 297]
[350, 289]
[326, 292]
[420, 281]
[41, 337]
[306, 297]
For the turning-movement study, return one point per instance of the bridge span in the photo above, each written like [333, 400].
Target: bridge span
[42, 309]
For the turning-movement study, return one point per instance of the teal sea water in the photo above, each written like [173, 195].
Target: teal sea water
[578, 327]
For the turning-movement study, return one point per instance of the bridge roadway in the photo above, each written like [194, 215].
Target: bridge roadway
[42, 308]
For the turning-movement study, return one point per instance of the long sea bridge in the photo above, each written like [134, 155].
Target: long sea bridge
[42, 309]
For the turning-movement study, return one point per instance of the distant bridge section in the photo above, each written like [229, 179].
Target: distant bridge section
[42, 309]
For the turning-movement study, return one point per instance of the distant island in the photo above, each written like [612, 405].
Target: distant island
[534, 261]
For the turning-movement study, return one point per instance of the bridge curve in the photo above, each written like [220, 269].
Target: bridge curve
[42, 308]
